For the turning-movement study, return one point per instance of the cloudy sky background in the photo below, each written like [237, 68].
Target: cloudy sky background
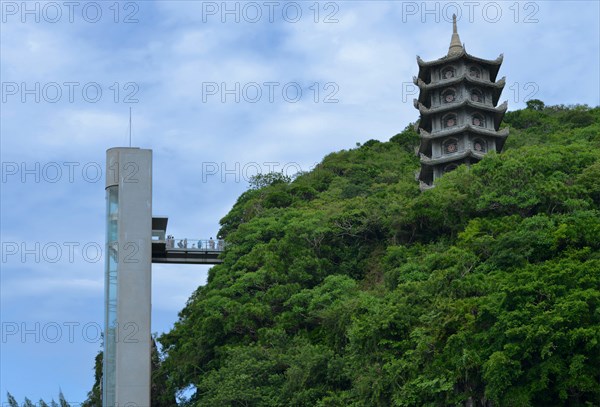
[166, 59]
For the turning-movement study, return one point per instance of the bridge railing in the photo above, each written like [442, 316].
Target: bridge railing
[214, 245]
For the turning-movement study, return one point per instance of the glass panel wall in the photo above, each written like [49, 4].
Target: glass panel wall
[110, 313]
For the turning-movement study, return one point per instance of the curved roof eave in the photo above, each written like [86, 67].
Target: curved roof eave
[449, 158]
[503, 133]
[456, 57]
[425, 111]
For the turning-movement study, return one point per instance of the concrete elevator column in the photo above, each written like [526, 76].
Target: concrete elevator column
[128, 262]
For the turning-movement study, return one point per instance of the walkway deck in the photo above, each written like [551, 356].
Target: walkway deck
[166, 249]
[184, 255]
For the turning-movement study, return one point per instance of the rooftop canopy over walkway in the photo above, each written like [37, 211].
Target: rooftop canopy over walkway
[167, 249]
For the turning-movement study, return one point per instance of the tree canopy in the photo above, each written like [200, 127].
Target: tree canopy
[349, 287]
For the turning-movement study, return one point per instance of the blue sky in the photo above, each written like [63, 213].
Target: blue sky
[180, 65]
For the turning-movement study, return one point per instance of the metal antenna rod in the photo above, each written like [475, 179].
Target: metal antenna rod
[129, 126]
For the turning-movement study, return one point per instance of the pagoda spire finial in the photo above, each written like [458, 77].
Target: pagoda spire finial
[455, 44]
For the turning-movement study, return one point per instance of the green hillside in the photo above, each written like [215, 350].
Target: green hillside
[350, 287]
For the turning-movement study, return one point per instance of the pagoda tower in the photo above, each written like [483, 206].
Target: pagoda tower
[460, 116]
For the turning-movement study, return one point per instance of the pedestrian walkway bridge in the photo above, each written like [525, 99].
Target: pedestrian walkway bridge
[167, 249]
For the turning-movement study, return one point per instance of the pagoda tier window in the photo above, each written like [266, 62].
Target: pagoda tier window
[448, 96]
[478, 120]
[448, 72]
[450, 146]
[450, 167]
[475, 72]
[476, 96]
[449, 121]
[479, 145]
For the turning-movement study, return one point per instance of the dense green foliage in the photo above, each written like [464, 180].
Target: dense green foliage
[349, 287]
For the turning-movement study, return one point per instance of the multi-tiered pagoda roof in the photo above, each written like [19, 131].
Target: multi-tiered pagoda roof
[459, 112]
